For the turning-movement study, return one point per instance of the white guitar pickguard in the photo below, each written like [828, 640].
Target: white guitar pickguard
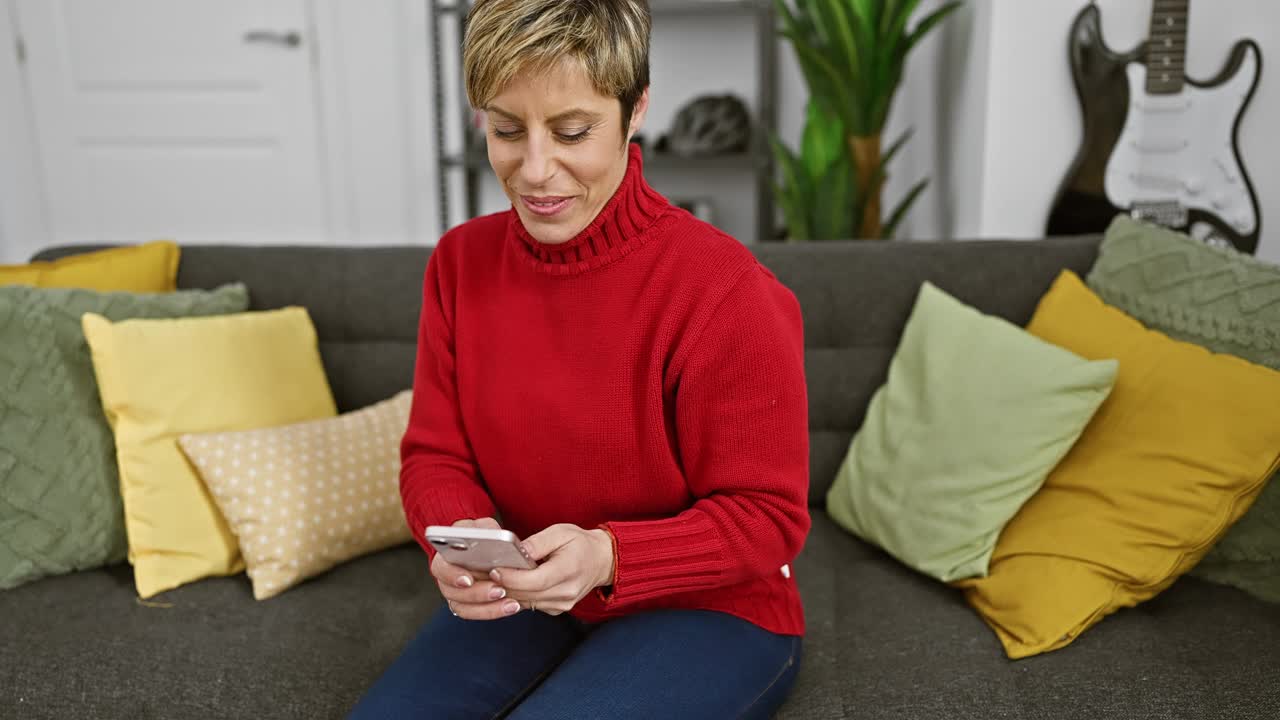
[1178, 148]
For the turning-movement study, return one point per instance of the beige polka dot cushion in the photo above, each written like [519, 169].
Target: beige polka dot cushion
[304, 498]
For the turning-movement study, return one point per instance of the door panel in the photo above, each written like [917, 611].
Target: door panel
[166, 118]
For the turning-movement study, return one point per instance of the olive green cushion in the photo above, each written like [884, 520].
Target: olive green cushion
[60, 506]
[975, 413]
[1223, 300]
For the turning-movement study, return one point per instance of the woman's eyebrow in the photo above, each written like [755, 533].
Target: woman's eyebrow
[570, 114]
[574, 114]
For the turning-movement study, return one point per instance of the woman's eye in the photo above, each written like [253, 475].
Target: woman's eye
[574, 137]
[505, 134]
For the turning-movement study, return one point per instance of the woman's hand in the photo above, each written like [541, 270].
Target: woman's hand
[471, 596]
[574, 562]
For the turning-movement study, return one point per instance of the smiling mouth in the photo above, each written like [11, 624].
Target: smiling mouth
[546, 205]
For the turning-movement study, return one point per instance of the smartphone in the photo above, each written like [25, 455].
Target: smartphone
[480, 549]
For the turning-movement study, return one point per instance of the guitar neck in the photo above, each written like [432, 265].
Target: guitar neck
[1167, 47]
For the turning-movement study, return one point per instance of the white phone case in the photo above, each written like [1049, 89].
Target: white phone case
[480, 549]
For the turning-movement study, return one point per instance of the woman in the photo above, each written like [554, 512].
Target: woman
[623, 385]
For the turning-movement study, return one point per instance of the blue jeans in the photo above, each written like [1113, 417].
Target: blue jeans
[662, 663]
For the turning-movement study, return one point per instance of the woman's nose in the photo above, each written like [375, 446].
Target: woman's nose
[538, 164]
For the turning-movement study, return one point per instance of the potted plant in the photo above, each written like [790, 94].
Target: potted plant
[851, 53]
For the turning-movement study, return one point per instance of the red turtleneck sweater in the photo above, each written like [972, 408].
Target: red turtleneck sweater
[646, 377]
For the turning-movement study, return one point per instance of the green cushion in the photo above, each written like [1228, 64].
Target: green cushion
[60, 507]
[973, 416]
[1228, 302]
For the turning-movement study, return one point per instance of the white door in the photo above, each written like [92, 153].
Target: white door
[195, 120]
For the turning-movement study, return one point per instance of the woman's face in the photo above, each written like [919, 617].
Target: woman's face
[556, 145]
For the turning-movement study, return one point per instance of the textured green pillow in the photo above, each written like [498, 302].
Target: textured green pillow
[1225, 301]
[60, 507]
[973, 416]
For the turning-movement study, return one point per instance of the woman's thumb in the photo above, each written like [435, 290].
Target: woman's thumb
[539, 545]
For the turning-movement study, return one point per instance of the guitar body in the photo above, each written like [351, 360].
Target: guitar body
[1168, 158]
[1102, 87]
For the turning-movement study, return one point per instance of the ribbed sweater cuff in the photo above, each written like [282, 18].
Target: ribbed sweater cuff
[654, 558]
[445, 506]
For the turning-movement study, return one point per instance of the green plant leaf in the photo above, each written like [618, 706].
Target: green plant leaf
[898, 22]
[839, 17]
[890, 72]
[833, 198]
[896, 145]
[868, 49]
[784, 11]
[837, 43]
[852, 54]
[824, 79]
[881, 174]
[928, 24]
[821, 90]
[868, 10]
[899, 212]
[795, 194]
[887, 17]
[790, 23]
[822, 142]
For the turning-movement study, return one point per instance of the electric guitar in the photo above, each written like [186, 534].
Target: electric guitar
[1158, 145]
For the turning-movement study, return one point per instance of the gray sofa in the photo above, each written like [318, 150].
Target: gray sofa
[883, 641]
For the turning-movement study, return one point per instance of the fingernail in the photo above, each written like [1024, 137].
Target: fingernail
[497, 594]
[464, 581]
[495, 576]
[511, 607]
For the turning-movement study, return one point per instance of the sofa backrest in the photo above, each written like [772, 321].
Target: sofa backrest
[855, 297]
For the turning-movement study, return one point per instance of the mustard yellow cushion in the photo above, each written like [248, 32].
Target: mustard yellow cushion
[1173, 457]
[159, 379]
[148, 268]
[303, 498]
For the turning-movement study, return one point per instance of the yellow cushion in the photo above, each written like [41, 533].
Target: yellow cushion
[161, 378]
[148, 268]
[1173, 457]
[303, 498]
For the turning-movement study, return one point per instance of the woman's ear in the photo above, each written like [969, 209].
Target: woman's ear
[638, 113]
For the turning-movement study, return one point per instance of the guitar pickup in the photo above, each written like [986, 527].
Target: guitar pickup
[1169, 214]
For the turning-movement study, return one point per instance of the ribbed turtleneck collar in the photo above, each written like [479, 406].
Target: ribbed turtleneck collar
[620, 227]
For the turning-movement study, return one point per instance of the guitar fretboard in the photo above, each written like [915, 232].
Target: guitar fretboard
[1167, 47]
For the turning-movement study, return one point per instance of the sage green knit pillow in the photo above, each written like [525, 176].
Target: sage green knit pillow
[1227, 302]
[60, 507]
[974, 415]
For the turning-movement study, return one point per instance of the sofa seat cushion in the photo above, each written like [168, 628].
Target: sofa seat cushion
[884, 642]
[82, 645]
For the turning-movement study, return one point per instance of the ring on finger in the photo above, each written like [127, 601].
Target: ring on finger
[450, 604]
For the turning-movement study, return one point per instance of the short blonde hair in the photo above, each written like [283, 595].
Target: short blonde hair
[609, 37]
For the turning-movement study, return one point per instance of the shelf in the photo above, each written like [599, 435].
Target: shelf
[665, 7]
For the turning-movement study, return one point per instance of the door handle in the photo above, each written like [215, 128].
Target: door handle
[290, 39]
